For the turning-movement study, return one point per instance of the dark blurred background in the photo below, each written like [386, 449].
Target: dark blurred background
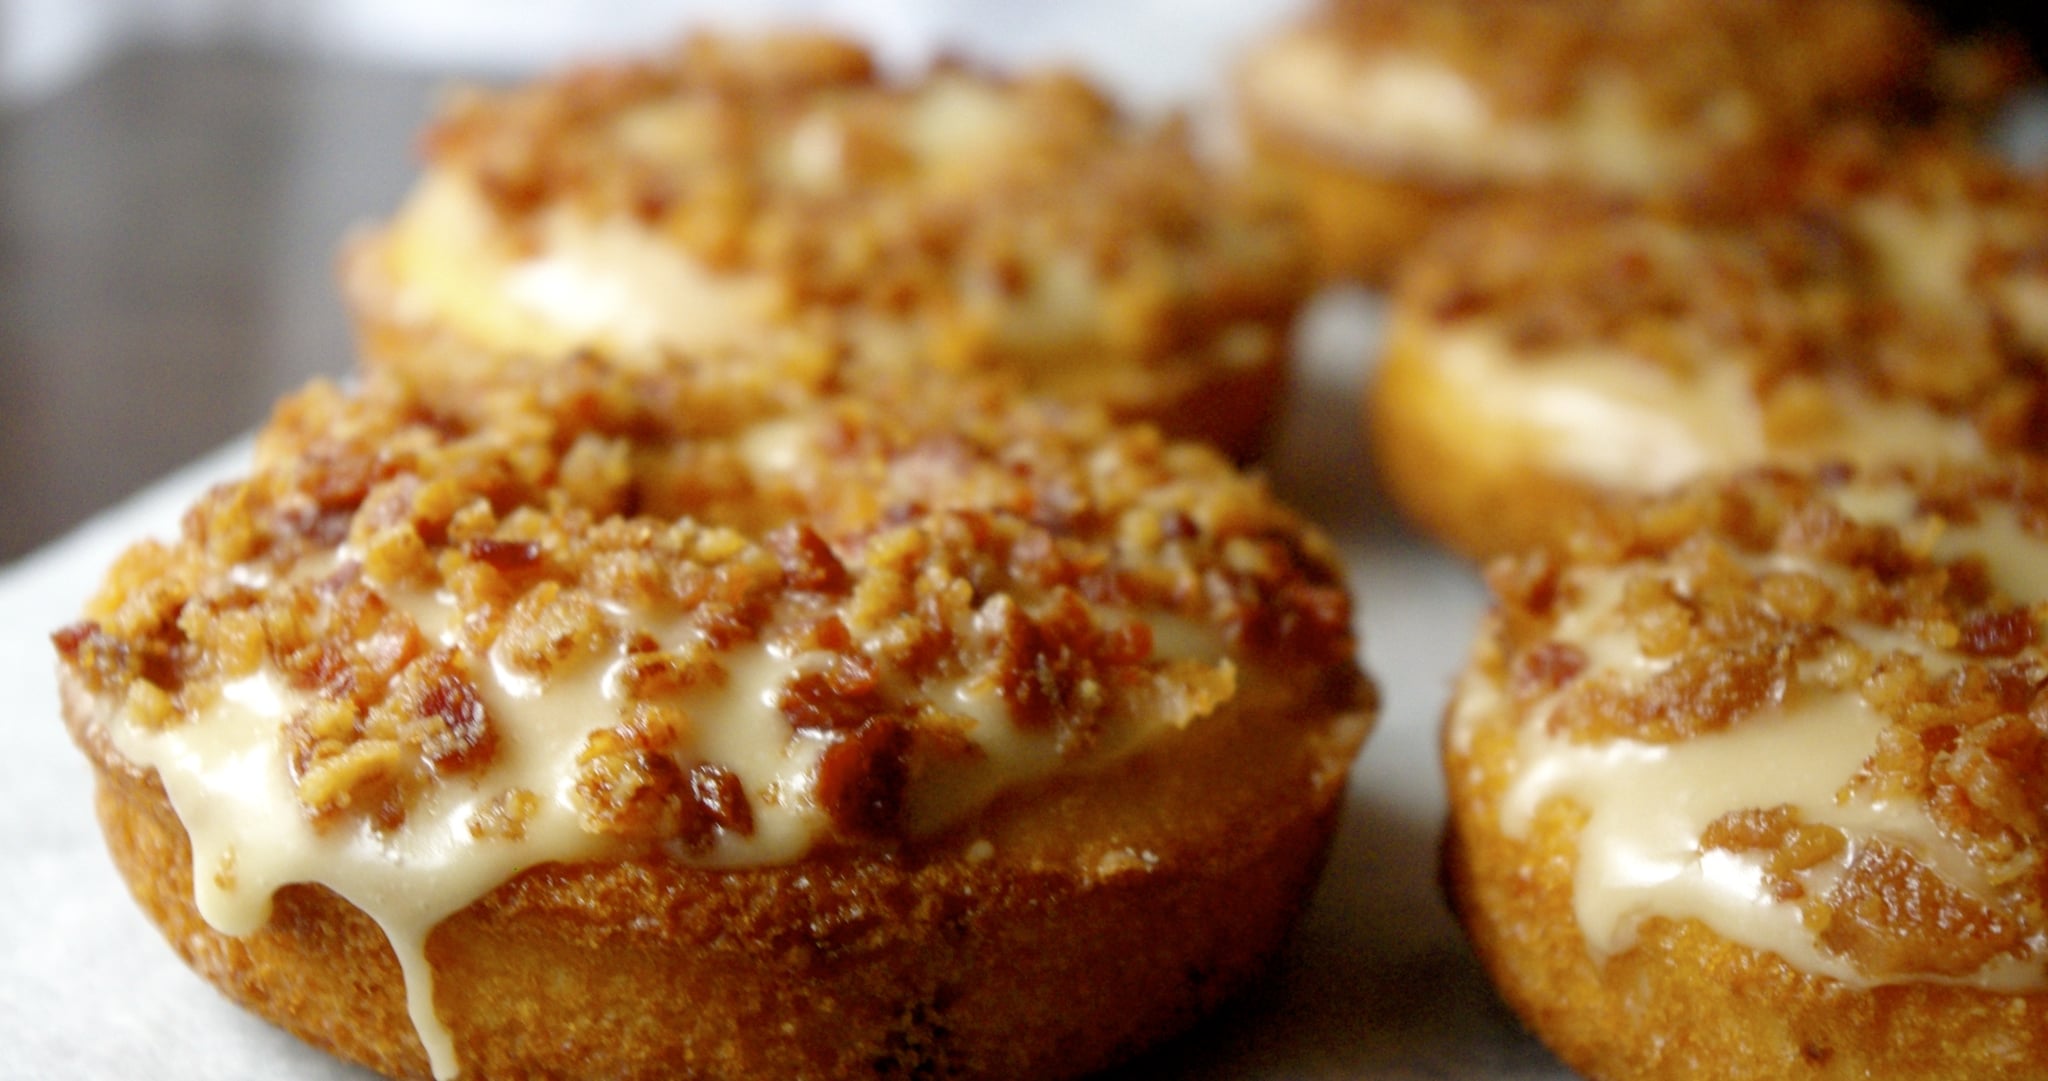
[167, 231]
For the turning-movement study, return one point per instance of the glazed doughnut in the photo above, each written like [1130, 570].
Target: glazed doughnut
[1749, 784]
[815, 741]
[1387, 114]
[773, 201]
[1541, 359]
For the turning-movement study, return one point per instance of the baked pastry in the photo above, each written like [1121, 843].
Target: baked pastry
[1748, 785]
[773, 201]
[825, 741]
[1385, 115]
[1541, 359]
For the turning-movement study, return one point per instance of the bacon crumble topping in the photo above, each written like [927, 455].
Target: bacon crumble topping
[1013, 558]
[1832, 282]
[1762, 592]
[960, 221]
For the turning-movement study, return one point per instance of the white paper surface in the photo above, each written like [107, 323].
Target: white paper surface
[1378, 984]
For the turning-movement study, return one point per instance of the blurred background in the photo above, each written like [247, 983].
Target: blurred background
[176, 177]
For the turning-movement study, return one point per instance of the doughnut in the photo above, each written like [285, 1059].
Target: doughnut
[1541, 359]
[1748, 783]
[955, 736]
[1385, 115]
[774, 202]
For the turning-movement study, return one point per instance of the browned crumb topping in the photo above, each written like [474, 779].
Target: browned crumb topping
[1887, 909]
[1760, 592]
[1788, 64]
[1804, 296]
[1012, 546]
[967, 203]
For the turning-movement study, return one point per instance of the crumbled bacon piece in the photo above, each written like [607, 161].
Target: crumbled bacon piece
[506, 556]
[1545, 668]
[720, 799]
[862, 779]
[451, 727]
[1996, 634]
[1897, 918]
[808, 560]
[843, 695]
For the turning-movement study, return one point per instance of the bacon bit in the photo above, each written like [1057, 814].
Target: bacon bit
[1457, 304]
[1716, 692]
[1996, 634]
[1790, 845]
[1029, 670]
[386, 652]
[320, 728]
[505, 556]
[1545, 668]
[861, 779]
[659, 674]
[360, 775]
[1175, 525]
[1128, 644]
[808, 561]
[1530, 583]
[326, 669]
[1992, 779]
[844, 695]
[1897, 918]
[828, 634]
[625, 790]
[1294, 618]
[505, 816]
[1969, 582]
[717, 793]
[340, 480]
[459, 733]
[102, 659]
[71, 640]
[726, 624]
[318, 527]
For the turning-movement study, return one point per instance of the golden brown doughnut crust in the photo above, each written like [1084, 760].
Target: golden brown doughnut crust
[1682, 1001]
[1692, 67]
[1821, 293]
[1055, 958]
[966, 260]
[1064, 926]
[1476, 486]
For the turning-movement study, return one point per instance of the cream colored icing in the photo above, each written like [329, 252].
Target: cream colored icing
[1648, 805]
[615, 285]
[227, 779]
[226, 776]
[1415, 111]
[2017, 559]
[607, 283]
[1609, 418]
